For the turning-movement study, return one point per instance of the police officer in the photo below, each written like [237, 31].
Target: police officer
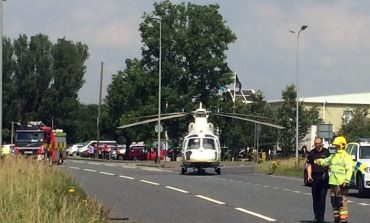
[318, 177]
[341, 168]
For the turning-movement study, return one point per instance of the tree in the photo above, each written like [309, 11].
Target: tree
[43, 80]
[358, 126]
[286, 117]
[194, 41]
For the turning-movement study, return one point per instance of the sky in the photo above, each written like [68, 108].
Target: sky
[334, 51]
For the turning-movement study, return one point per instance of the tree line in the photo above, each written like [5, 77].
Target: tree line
[42, 80]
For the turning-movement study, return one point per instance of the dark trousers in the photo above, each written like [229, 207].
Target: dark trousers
[319, 190]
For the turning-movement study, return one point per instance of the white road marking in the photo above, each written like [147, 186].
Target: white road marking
[309, 194]
[296, 191]
[149, 182]
[266, 186]
[93, 163]
[105, 173]
[73, 167]
[126, 177]
[364, 204]
[177, 189]
[90, 170]
[210, 199]
[255, 214]
[109, 165]
[286, 189]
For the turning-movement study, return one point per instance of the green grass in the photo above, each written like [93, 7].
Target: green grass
[284, 167]
[32, 191]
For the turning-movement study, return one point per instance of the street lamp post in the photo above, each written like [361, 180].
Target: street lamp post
[159, 89]
[296, 80]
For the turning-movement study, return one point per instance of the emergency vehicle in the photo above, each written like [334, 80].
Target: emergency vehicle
[35, 139]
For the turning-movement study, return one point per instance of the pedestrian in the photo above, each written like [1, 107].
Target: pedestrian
[340, 164]
[318, 177]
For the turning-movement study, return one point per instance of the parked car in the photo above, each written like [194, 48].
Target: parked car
[8, 149]
[360, 152]
[74, 149]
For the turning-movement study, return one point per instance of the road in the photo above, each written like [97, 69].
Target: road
[149, 194]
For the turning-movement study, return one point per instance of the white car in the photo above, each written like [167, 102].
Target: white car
[360, 152]
[74, 149]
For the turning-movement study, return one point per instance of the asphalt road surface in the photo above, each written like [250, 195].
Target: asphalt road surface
[149, 194]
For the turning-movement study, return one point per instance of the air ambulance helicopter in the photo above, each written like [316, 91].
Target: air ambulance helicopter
[201, 146]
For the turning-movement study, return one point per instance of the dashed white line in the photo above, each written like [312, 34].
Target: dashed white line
[126, 177]
[296, 191]
[109, 165]
[266, 186]
[286, 189]
[105, 173]
[177, 189]
[364, 204]
[90, 170]
[255, 214]
[73, 167]
[209, 199]
[350, 201]
[309, 194]
[149, 182]
[93, 163]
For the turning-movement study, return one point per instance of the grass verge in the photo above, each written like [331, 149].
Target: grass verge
[284, 167]
[32, 191]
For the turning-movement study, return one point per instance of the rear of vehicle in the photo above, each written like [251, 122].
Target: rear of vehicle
[137, 153]
[360, 153]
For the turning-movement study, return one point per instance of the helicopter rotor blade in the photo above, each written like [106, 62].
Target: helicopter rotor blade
[251, 120]
[152, 120]
[164, 115]
[246, 115]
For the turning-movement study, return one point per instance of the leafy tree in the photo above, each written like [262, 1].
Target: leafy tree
[194, 41]
[43, 80]
[358, 126]
[286, 117]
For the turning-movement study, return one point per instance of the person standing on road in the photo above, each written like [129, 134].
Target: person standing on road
[318, 177]
[340, 165]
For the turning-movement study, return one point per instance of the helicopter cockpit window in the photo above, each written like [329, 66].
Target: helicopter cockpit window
[194, 143]
[209, 143]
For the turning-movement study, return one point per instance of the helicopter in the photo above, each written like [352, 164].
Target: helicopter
[201, 146]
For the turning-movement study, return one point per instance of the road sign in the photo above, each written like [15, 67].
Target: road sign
[160, 128]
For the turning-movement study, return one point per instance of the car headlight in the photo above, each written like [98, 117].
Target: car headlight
[367, 170]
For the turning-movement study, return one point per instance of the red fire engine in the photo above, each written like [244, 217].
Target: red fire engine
[41, 142]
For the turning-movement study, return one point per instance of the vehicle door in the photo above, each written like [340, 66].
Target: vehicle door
[352, 151]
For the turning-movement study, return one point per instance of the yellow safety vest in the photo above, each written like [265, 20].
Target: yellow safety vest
[341, 167]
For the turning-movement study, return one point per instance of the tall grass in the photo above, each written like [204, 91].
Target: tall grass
[285, 167]
[32, 191]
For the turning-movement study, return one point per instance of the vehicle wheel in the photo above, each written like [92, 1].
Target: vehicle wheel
[120, 157]
[135, 159]
[360, 186]
[183, 170]
[218, 170]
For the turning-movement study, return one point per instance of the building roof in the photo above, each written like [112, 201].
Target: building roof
[356, 98]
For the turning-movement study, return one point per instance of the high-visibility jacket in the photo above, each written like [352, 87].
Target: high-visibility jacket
[341, 167]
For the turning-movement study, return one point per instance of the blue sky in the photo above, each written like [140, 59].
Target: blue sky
[334, 50]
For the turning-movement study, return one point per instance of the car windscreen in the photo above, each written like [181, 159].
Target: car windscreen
[364, 152]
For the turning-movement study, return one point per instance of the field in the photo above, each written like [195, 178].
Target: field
[285, 167]
[32, 191]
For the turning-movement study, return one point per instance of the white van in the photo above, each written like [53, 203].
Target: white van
[110, 143]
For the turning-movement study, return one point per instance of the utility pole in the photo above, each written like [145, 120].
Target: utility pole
[99, 111]
[1, 77]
